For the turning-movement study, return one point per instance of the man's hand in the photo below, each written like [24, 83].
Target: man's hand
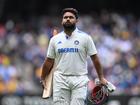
[103, 81]
[43, 83]
[108, 84]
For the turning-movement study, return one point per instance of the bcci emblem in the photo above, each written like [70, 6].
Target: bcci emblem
[76, 42]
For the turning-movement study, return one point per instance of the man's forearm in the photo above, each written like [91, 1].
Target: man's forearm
[98, 69]
[97, 65]
[46, 68]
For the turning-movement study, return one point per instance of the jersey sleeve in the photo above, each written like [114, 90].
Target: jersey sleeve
[51, 50]
[91, 49]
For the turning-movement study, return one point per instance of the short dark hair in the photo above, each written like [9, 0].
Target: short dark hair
[72, 10]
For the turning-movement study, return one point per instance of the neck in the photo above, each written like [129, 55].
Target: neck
[69, 31]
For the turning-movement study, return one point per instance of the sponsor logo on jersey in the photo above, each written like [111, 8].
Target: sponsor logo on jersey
[68, 50]
[59, 42]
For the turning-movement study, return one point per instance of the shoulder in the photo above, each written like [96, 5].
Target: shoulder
[57, 36]
[83, 34]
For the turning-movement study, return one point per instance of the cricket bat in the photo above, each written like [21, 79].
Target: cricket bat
[47, 91]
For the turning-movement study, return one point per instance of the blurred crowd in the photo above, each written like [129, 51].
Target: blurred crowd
[23, 47]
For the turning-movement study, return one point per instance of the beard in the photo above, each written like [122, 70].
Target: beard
[68, 26]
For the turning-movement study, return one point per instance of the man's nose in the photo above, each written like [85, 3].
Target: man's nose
[68, 19]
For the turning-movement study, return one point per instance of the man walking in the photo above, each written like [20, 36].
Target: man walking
[68, 51]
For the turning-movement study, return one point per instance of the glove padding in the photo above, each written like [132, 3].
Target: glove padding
[111, 88]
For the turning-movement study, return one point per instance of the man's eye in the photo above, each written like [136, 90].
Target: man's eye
[71, 17]
[65, 17]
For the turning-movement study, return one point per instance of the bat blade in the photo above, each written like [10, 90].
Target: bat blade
[47, 91]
